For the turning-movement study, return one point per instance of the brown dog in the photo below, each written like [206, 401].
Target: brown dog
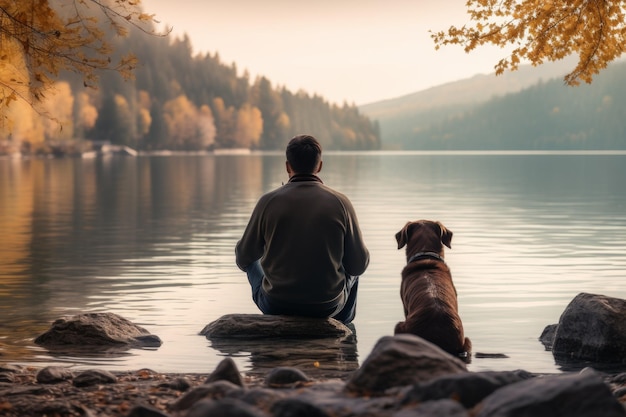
[427, 291]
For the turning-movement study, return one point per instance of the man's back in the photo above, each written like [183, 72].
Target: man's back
[304, 226]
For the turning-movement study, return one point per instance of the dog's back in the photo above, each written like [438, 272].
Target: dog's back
[430, 304]
[427, 291]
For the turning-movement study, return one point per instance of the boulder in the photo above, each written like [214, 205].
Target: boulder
[438, 408]
[248, 326]
[592, 328]
[403, 359]
[95, 332]
[468, 388]
[572, 395]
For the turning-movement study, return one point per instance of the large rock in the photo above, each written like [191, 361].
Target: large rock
[403, 359]
[592, 328]
[468, 388]
[571, 395]
[248, 326]
[317, 346]
[96, 331]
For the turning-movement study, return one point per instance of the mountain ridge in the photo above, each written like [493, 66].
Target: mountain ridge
[475, 89]
[530, 109]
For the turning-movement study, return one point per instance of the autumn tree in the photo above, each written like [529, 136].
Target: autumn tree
[41, 38]
[59, 105]
[249, 127]
[187, 126]
[225, 123]
[544, 30]
[85, 114]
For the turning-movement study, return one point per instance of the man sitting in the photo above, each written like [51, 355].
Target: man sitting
[302, 249]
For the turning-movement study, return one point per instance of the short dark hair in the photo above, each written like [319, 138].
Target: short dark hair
[304, 153]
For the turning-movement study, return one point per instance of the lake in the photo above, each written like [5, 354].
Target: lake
[152, 239]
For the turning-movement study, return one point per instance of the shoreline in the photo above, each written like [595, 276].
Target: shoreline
[58, 391]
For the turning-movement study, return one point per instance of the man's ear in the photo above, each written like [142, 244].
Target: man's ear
[288, 167]
[319, 167]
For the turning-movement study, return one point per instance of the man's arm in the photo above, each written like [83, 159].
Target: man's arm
[356, 255]
[250, 247]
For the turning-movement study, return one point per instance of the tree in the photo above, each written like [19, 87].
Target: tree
[59, 106]
[248, 127]
[545, 30]
[188, 127]
[41, 38]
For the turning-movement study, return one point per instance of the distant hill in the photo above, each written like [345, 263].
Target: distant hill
[526, 109]
[476, 89]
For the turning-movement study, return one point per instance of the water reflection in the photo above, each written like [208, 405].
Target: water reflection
[330, 358]
[152, 239]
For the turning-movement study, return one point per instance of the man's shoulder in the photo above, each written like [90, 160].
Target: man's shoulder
[335, 192]
[271, 194]
[319, 188]
[340, 197]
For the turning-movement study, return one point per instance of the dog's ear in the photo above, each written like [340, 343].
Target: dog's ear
[446, 235]
[402, 237]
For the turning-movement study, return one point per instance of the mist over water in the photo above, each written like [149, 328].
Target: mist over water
[152, 239]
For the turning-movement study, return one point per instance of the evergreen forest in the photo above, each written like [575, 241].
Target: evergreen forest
[182, 101]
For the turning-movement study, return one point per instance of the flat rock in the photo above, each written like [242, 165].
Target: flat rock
[264, 326]
[316, 346]
[96, 331]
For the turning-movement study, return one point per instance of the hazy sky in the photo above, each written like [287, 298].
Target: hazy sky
[359, 51]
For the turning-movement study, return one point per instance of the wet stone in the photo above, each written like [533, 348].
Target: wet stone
[94, 377]
[226, 370]
[53, 374]
[285, 377]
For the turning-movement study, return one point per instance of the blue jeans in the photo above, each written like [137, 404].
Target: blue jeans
[269, 306]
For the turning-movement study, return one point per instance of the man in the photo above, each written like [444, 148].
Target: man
[302, 248]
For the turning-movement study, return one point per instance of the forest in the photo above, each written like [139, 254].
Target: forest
[546, 116]
[180, 101]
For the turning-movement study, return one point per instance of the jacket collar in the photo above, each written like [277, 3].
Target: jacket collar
[305, 177]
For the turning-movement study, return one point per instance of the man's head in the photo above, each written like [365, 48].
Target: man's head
[304, 155]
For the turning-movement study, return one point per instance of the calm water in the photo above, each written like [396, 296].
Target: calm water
[152, 239]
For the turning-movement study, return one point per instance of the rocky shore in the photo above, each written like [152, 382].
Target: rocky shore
[403, 376]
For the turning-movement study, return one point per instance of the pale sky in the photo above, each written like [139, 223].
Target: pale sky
[358, 51]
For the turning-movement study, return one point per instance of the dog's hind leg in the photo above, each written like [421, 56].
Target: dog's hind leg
[467, 346]
[400, 328]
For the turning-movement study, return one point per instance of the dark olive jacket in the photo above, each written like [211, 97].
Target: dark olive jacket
[307, 237]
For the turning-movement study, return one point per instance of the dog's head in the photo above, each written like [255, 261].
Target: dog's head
[424, 236]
